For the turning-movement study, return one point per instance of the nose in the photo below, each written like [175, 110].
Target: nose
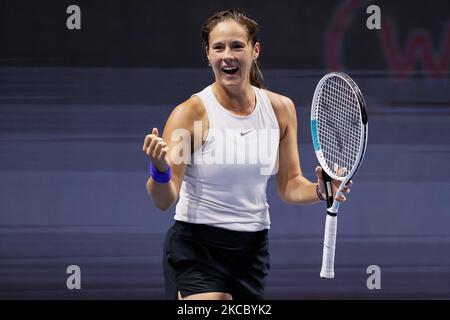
[227, 56]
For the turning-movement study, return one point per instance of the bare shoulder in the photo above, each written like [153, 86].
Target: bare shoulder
[279, 101]
[284, 109]
[185, 115]
[189, 110]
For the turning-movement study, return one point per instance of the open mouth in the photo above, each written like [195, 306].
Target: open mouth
[230, 70]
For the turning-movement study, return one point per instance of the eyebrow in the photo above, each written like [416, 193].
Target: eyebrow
[232, 42]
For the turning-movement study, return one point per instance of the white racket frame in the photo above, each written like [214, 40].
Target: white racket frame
[329, 246]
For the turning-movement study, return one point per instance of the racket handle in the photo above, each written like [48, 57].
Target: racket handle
[329, 246]
[328, 188]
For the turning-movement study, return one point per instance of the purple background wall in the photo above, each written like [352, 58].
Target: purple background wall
[75, 106]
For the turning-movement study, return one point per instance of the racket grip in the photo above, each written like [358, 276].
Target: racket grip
[329, 246]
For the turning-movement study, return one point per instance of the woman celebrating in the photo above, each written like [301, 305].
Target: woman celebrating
[218, 245]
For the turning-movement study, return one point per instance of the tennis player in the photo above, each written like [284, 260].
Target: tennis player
[218, 246]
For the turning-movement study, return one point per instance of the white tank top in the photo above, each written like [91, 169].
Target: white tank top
[225, 183]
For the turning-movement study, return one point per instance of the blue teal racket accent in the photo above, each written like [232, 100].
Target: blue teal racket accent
[314, 135]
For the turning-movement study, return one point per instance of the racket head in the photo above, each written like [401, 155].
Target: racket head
[339, 125]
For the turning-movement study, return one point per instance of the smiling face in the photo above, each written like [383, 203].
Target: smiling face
[231, 53]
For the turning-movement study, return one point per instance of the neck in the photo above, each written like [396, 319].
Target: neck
[240, 100]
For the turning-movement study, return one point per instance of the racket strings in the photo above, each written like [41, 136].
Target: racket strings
[339, 125]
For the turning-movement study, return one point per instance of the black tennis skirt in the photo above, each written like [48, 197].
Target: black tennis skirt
[199, 258]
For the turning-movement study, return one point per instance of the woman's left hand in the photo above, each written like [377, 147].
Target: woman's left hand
[335, 183]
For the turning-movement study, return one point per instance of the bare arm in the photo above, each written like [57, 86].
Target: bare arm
[163, 194]
[292, 186]
[176, 142]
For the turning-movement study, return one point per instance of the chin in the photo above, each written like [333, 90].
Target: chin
[233, 82]
[228, 83]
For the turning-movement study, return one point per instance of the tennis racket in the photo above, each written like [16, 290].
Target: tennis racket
[339, 130]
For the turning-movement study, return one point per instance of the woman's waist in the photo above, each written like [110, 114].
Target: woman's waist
[239, 200]
[219, 236]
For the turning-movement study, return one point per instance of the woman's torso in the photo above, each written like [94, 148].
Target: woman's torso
[225, 183]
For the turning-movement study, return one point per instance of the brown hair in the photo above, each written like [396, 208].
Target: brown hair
[241, 17]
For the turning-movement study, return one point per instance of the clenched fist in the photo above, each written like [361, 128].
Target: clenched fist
[156, 149]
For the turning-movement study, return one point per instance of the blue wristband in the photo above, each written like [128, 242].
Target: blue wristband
[161, 177]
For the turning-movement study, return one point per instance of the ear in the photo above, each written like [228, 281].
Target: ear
[256, 50]
[207, 53]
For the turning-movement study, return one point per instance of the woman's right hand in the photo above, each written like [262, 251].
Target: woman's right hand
[156, 149]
